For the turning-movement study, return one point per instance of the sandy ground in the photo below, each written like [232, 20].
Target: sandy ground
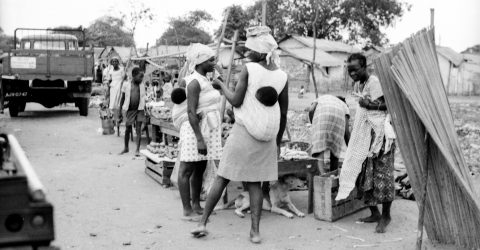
[106, 201]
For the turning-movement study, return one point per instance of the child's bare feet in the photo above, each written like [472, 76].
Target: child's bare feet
[124, 151]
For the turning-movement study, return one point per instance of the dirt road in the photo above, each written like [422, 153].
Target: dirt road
[106, 201]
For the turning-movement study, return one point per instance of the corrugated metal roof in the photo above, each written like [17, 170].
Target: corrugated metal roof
[327, 45]
[322, 58]
[451, 55]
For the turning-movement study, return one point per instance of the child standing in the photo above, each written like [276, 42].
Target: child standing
[133, 105]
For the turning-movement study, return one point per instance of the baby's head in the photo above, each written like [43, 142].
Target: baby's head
[178, 95]
[267, 96]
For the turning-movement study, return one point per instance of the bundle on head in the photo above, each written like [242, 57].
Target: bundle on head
[178, 95]
[267, 96]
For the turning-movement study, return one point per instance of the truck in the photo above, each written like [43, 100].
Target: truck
[27, 216]
[49, 67]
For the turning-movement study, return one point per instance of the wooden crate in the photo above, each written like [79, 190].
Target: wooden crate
[160, 172]
[325, 206]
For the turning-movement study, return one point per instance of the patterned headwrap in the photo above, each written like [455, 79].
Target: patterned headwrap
[260, 40]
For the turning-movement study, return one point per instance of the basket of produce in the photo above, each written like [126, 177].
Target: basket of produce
[106, 117]
[300, 146]
[159, 110]
[163, 150]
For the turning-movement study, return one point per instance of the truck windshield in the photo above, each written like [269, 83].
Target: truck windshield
[49, 45]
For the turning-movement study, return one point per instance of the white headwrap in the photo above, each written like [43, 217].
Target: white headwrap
[197, 53]
[260, 40]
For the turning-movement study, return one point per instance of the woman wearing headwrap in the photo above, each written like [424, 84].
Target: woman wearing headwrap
[200, 137]
[115, 76]
[250, 153]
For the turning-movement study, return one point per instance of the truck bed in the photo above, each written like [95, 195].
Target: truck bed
[48, 64]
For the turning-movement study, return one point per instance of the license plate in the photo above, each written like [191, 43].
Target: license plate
[16, 94]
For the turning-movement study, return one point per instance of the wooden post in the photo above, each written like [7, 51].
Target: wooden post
[229, 72]
[264, 12]
[314, 49]
[222, 35]
[432, 17]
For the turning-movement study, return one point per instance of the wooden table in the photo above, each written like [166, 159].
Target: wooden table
[307, 166]
[164, 127]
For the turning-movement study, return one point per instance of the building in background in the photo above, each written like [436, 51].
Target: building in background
[329, 65]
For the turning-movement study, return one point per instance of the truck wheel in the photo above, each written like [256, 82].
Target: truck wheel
[13, 109]
[83, 106]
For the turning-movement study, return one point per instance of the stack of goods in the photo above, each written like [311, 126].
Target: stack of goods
[421, 115]
[159, 110]
[96, 101]
[106, 116]
[295, 151]
[163, 150]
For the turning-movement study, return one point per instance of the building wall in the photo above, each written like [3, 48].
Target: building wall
[463, 80]
[340, 55]
[299, 74]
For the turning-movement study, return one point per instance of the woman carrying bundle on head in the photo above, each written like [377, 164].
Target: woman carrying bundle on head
[260, 102]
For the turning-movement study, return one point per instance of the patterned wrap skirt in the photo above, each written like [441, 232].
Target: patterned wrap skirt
[376, 182]
[188, 144]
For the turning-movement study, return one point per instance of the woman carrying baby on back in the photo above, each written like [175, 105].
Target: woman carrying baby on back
[260, 102]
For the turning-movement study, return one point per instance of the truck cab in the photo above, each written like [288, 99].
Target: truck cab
[47, 67]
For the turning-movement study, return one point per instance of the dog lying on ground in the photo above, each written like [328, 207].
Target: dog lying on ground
[279, 198]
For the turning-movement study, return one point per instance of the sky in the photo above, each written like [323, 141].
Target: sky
[456, 22]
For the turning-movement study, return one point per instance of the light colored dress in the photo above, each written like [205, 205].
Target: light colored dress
[244, 157]
[115, 87]
[210, 124]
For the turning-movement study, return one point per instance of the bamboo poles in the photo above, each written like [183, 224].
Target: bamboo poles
[416, 99]
[229, 73]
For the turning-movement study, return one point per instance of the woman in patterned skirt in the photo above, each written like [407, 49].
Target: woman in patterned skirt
[248, 156]
[200, 136]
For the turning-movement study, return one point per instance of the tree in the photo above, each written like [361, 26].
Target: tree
[276, 16]
[363, 19]
[238, 19]
[303, 15]
[6, 42]
[109, 31]
[185, 30]
[138, 14]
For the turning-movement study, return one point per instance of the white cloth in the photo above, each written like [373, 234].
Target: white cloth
[196, 54]
[127, 89]
[262, 122]
[167, 89]
[260, 40]
[359, 147]
[116, 77]
[208, 104]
